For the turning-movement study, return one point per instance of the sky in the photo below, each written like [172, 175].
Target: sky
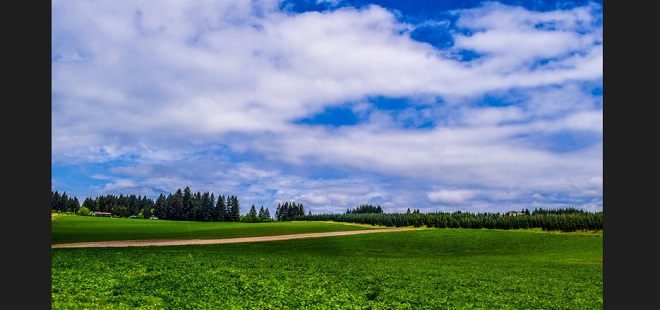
[441, 106]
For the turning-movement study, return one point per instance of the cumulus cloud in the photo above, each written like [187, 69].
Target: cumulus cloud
[208, 94]
[451, 196]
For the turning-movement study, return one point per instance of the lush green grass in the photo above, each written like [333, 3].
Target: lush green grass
[420, 269]
[73, 228]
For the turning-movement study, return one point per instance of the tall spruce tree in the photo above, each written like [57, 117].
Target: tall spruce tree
[160, 207]
[205, 213]
[175, 206]
[234, 209]
[188, 203]
[220, 210]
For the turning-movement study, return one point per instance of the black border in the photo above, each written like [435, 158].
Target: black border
[629, 126]
[27, 156]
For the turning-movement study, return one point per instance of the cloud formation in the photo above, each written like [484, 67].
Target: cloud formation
[150, 97]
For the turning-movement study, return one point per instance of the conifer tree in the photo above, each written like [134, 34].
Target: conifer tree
[175, 206]
[234, 209]
[266, 216]
[160, 206]
[188, 203]
[220, 210]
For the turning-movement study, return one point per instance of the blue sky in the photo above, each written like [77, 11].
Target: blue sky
[446, 106]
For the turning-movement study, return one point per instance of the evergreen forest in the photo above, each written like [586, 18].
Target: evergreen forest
[186, 205]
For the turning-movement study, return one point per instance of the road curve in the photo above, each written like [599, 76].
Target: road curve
[129, 243]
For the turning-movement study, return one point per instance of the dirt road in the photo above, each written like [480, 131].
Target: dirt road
[127, 243]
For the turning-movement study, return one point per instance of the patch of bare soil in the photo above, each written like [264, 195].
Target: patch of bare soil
[127, 243]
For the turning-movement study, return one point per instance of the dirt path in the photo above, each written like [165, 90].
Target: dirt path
[127, 243]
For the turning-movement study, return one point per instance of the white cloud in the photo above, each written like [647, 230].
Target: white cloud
[183, 90]
[492, 116]
[451, 196]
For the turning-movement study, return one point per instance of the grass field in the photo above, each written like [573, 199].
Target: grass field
[72, 228]
[418, 269]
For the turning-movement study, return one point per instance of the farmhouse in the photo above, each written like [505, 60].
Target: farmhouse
[153, 217]
[107, 214]
[514, 213]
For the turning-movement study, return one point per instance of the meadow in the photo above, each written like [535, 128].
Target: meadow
[72, 228]
[417, 269]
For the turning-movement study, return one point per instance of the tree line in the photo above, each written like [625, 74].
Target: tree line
[64, 203]
[289, 211]
[365, 208]
[189, 206]
[567, 220]
[182, 205]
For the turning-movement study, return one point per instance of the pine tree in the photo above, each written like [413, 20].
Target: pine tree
[266, 216]
[220, 210]
[188, 210]
[54, 205]
[63, 202]
[160, 207]
[300, 210]
[73, 204]
[234, 209]
[175, 206]
[90, 204]
[206, 208]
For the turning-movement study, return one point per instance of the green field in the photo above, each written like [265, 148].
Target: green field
[417, 269]
[72, 228]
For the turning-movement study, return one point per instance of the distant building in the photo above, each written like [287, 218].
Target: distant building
[514, 213]
[106, 214]
[153, 217]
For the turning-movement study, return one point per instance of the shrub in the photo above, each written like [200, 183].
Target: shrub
[84, 211]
